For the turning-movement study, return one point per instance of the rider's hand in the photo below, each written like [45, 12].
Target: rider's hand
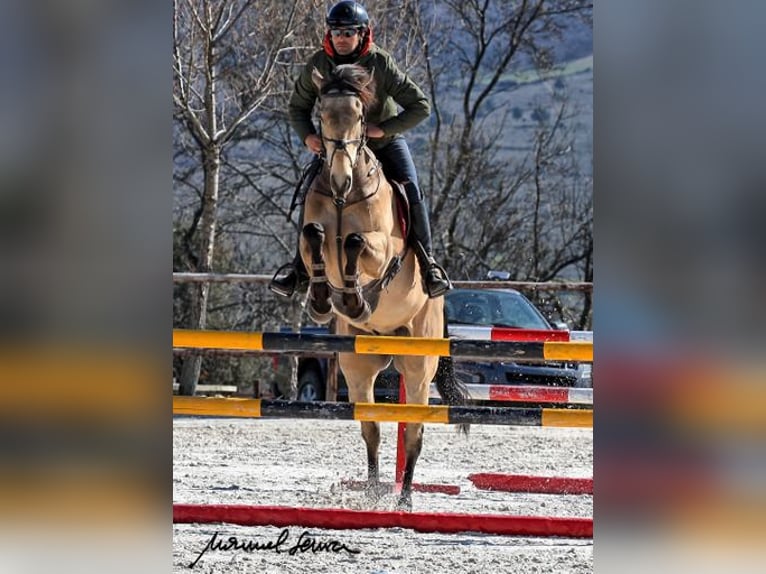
[374, 131]
[314, 143]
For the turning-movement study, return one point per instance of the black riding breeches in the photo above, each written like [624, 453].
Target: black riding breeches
[398, 165]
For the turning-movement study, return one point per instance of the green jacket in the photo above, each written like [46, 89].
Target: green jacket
[392, 87]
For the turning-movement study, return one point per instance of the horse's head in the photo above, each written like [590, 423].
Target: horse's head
[345, 95]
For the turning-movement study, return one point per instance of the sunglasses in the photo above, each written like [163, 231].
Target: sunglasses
[346, 33]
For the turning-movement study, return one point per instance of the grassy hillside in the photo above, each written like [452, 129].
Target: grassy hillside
[526, 98]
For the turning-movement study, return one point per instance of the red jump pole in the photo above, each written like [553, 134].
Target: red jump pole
[537, 484]
[400, 451]
[281, 516]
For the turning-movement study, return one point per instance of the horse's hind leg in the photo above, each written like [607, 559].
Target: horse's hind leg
[360, 373]
[413, 443]
[371, 436]
[417, 372]
[355, 307]
[320, 307]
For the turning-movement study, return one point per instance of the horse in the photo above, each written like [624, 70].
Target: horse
[362, 270]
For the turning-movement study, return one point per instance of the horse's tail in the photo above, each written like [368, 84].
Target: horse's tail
[451, 389]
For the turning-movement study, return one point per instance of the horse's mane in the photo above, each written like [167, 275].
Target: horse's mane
[351, 78]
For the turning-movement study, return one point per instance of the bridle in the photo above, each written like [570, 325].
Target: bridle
[340, 144]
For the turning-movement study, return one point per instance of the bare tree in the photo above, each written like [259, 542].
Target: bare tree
[505, 180]
[225, 53]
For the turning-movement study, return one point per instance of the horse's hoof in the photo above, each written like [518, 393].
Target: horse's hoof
[405, 503]
[319, 316]
[363, 315]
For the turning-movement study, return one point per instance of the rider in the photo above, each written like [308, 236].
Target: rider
[349, 40]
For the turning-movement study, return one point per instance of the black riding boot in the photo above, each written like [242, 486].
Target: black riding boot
[434, 275]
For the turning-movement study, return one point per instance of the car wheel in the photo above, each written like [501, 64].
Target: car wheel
[311, 387]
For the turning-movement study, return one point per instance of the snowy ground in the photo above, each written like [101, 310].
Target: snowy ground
[301, 463]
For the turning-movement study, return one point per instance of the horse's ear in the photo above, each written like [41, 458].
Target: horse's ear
[317, 78]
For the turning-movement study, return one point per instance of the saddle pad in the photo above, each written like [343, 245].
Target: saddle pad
[402, 208]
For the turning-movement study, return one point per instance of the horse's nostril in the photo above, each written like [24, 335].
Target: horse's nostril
[341, 185]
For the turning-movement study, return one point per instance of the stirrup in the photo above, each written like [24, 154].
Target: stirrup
[286, 286]
[439, 289]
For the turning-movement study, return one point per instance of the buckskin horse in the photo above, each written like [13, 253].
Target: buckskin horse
[362, 270]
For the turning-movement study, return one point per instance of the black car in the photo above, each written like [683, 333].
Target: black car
[505, 308]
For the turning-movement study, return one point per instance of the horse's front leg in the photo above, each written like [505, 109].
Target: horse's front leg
[320, 308]
[354, 305]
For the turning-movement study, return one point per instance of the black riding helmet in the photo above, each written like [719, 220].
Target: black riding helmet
[346, 14]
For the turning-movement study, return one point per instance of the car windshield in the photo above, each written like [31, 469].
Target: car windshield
[492, 308]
